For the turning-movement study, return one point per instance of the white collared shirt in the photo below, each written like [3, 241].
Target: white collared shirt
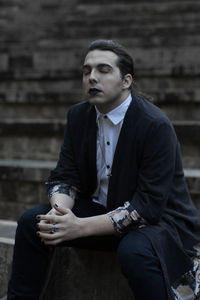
[109, 127]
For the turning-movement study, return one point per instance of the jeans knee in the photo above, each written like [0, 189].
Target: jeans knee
[26, 223]
[136, 255]
[127, 257]
[28, 220]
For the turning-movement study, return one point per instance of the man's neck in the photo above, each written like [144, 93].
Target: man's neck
[104, 109]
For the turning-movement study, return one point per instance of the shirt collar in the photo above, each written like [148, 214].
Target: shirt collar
[117, 114]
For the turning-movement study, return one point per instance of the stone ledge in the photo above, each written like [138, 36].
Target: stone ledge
[6, 253]
[85, 274]
[52, 127]
[38, 171]
[7, 231]
[22, 186]
[26, 127]
[25, 170]
[193, 182]
[77, 273]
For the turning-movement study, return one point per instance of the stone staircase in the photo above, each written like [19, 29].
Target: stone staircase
[41, 54]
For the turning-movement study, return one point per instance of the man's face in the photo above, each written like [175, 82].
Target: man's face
[102, 82]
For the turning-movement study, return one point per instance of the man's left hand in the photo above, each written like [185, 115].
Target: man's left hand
[54, 229]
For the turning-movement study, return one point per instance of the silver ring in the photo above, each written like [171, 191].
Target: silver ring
[54, 228]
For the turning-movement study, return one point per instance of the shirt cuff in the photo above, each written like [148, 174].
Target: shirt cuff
[56, 187]
[126, 217]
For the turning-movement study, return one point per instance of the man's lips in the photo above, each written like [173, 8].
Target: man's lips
[94, 91]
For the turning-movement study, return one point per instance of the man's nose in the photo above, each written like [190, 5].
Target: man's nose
[93, 76]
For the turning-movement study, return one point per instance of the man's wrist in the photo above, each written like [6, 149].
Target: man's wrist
[97, 225]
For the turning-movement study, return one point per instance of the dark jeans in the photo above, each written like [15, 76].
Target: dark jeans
[137, 258]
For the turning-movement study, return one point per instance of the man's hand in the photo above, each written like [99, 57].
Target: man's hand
[67, 226]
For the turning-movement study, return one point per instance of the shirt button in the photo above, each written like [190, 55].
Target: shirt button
[108, 143]
[105, 117]
[108, 167]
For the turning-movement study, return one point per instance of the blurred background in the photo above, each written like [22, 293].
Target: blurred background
[41, 53]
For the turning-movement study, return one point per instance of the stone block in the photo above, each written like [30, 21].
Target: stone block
[78, 274]
[35, 148]
[40, 92]
[56, 60]
[32, 127]
[12, 210]
[3, 62]
[33, 111]
[22, 186]
[7, 234]
[21, 62]
[6, 252]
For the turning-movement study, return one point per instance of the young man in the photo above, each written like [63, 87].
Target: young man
[118, 184]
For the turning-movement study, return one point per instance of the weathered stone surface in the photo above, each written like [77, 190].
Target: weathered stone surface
[7, 229]
[79, 274]
[6, 252]
[193, 181]
[74, 274]
[22, 185]
[42, 139]
[30, 148]
[42, 43]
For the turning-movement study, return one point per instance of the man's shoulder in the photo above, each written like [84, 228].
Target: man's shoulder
[81, 107]
[149, 112]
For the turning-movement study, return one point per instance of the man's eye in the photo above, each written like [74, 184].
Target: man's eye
[104, 70]
[85, 73]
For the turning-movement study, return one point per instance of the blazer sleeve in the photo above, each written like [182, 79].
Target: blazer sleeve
[156, 172]
[66, 170]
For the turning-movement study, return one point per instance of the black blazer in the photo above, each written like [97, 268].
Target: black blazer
[147, 171]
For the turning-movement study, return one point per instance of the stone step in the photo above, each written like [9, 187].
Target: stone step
[22, 185]
[177, 96]
[155, 62]
[7, 230]
[7, 234]
[41, 139]
[92, 19]
[164, 38]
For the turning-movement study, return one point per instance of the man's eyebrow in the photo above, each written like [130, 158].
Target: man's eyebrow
[105, 65]
[85, 67]
[99, 65]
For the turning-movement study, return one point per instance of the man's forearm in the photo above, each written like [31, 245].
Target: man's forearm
[62, 194]
[62, 200]
[97, 225]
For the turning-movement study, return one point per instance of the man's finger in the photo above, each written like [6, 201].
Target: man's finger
[49, 218]
[62, 210]
[48, 236]
[52, 242]
[43, 227]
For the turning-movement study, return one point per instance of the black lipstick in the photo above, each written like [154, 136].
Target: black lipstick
[94, 91]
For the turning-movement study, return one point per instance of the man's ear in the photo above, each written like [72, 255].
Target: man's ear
[127, 81]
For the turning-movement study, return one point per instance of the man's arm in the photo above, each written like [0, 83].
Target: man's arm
[70, 227]
[62, 198]
[62, 194]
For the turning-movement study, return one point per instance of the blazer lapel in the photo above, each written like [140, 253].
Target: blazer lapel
[126, 136]
[92, 133]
